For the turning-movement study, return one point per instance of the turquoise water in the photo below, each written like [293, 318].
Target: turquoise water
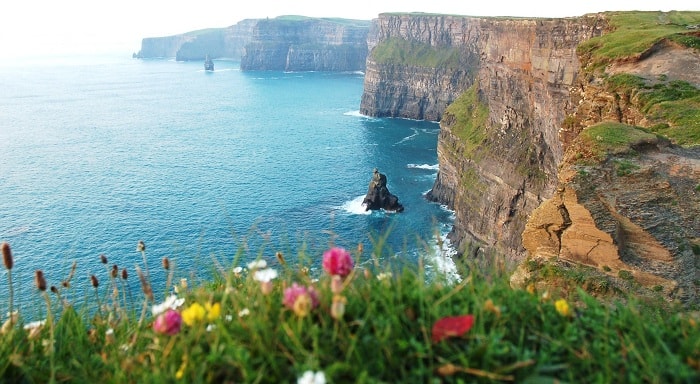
[98, 154]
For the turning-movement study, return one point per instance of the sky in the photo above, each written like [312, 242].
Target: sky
[47, 27]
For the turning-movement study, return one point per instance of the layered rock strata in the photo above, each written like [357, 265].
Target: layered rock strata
[307, 44]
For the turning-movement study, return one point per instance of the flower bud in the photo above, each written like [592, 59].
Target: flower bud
[338, 307]
[39, 280]
[336, 284]
[7, 256]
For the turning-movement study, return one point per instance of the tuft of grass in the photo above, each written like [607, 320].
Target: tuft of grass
[470, 116]
[384, 334]
[613, 138]
[405, 52]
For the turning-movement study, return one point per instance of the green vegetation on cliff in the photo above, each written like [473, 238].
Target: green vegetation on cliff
[404, 52]
[613, 138]
[368, 323]
[635, 33]
[672, 107]
[471, 118]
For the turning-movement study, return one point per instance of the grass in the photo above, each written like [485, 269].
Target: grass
[471, 120]
[634, 33]
[385, 333]
[404, 52]
[612, 138]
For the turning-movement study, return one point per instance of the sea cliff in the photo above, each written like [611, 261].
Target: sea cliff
[296, 43]
[518, 101]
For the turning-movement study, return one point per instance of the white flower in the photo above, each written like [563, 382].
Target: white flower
[238, 270]
[265, 275]
[309, 377]
[211, 327]
[384, 276]
[228, 317]
[171, 302]
[244, 312]
[34, 324]
[257, 264]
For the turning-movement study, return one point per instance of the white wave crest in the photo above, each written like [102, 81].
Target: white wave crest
[442, 259]
[410, 137]
[354, 113]
[355, 206]
[435, 167]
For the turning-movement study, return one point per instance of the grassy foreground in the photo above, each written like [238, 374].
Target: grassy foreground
[382, 322]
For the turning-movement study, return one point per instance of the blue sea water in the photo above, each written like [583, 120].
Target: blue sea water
[99, 153]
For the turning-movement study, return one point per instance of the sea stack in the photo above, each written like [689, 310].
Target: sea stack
[379, 197]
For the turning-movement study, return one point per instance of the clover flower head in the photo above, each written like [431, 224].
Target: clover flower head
[213, 310]
[300, 299]
[562, 307]
[171, 302]
[265, 275]
[193, 314]
[311, 377]
[337, 261]
[168, 323]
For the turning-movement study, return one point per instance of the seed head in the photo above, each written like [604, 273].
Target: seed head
[125, 274]
[93, 281]
[7, 256]
[141, 247]
[39, 280]
[145, 285]
[54, 289]
[115, 271]
[280, 258]
[103, 259]
[166, 263]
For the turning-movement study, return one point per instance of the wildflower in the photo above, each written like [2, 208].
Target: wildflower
[168, 323]
[311, 377]
[451, 326]
[213, 311]
[7, 256]
[300, 299]
[384, 276]
[337, 261]
[171, 302]
[562, 307]
[338, 307]
[265, 277]
[237, 271]
[530, 288]
[10, 322]
[181, 371]
[244, 312]
[39, 280]
[193, 314]
[211, 327]
[257, 264]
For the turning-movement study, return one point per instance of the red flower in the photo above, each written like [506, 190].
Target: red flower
[452, 326]
[337, 261]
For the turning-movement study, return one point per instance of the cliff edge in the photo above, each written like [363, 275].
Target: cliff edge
[572, 141]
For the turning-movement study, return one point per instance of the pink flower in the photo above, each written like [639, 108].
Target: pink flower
[452, 326]
[300, 299]
[168, 323]
[337, 261]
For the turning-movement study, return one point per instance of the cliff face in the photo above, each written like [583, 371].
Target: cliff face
[216, 42]
[517, 112]
[306, 44]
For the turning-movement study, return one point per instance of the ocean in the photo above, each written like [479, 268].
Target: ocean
[97, 153]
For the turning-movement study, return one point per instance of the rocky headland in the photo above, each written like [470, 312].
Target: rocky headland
[285, 43]
[567, 142]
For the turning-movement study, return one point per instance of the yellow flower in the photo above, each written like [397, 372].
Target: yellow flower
[213, 311]
[562, 307]
[193, 314]
[489, 306]
[302, 305]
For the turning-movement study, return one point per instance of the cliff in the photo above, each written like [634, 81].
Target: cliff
[295, 43]
[523, 102]
[216, 42]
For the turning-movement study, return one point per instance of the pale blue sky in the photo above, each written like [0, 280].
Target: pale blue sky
[93, 26]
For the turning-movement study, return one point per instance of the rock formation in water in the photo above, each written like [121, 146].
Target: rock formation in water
[378, 195]
[295, 43]
[519, 103]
